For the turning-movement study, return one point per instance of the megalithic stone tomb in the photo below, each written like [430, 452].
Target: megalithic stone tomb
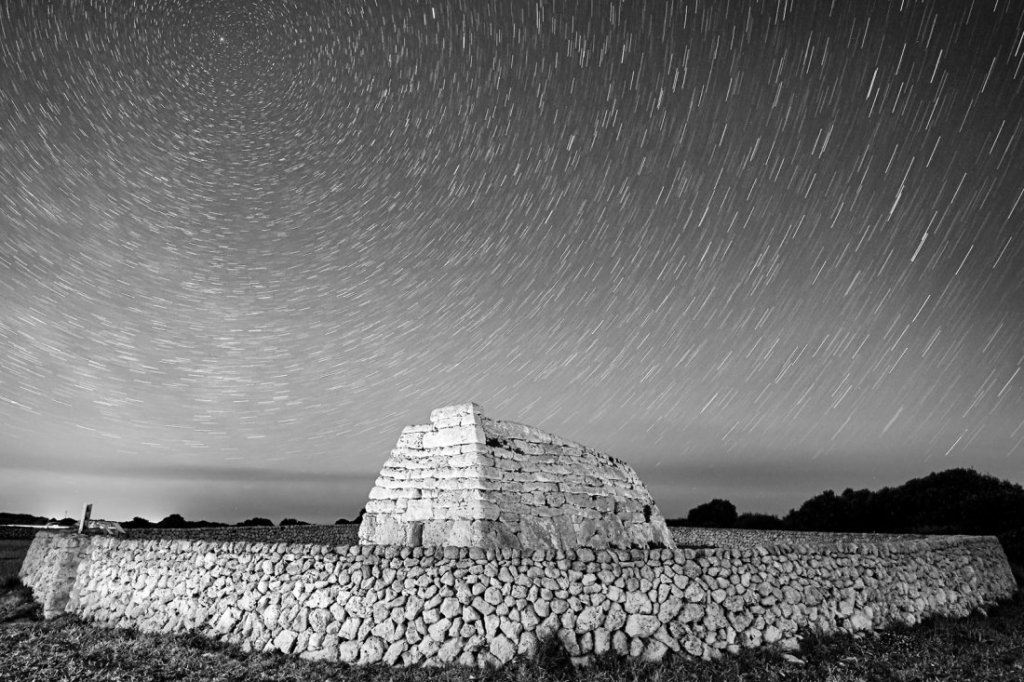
[469, 481]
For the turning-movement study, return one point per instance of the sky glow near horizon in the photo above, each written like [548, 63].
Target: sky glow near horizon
[756, 250]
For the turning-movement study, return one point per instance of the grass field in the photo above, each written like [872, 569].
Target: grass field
[12, 551]
[976, 648]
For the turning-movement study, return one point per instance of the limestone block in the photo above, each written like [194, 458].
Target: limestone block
[453, 436]
[285, 641]
[620, 643]
[394, 652]
[615, 618]
[638, 602]
[456, 411]
[642, 626]
[654, 651]
[412, 436]
[371, 651]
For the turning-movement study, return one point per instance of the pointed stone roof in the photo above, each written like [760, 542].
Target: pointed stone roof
[470, 481]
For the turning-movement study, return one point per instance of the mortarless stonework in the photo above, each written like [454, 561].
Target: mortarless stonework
[465, 480]
[437, 606]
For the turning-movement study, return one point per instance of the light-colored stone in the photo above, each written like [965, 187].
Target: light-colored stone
[642, 626]
[655, 651]
[589, 619]
[285, 641]
[637, 602]
[860, 621]
[460, 481]
[371, 651]
[620, 643]
[502, 649]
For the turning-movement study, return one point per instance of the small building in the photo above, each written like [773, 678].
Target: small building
[470, 481]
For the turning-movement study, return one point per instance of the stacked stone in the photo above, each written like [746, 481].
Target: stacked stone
[344, 534]
[427, 605]
[685, 536]
[50, 568]
[466, 480]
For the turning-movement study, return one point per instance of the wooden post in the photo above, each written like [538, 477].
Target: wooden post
[86, 513]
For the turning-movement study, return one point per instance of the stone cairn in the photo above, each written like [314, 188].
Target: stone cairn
[465, 480]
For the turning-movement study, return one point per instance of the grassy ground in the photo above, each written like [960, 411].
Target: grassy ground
[12, 551]
[976, 648]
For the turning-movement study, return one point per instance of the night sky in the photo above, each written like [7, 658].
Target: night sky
[755, 249]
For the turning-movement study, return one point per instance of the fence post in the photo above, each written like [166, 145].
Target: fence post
[86, 513]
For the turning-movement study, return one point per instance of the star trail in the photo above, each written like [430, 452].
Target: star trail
[756, 249]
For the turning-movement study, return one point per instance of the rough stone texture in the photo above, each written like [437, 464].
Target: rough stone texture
[469, 481]
[364, 604]
[747, 539]
[51, 566]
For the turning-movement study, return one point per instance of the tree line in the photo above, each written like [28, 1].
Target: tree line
[951, 502]
[178, 521]
[955, 501]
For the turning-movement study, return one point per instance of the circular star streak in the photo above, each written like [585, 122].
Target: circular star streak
[757, 249]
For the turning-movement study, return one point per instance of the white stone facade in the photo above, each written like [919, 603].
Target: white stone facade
[465, 480]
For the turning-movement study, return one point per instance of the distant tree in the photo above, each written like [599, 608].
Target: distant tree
[757, 521]
[714, 514]
[256, 521]
[206, 524]
[173, 521]
[342, 522]
[826, 512]
[952, 502]
[8, 518]
[137, 522]
[359, 516]
[292, 522]
[677, 522]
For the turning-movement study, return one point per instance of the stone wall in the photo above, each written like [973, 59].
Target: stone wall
[470, 481]
[739, 538]
[401, 605]
[51, 566]
[344, 534]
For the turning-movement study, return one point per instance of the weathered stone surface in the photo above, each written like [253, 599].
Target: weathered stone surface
[589, 619]
[348, 652]
[502, 649]
[860, 621]
[654, 651]
[772, 634]
[642, 626]
[430, 606]
[466, 480]
[285, 641]
[371, 651]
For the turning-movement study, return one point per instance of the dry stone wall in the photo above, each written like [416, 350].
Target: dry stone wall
[432, 605]
[694, 537]
[51, 565]
[470, 481]
[344, 534]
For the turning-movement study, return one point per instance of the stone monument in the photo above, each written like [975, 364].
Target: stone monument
[469, 481]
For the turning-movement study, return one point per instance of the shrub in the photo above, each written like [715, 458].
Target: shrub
[713, 514]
